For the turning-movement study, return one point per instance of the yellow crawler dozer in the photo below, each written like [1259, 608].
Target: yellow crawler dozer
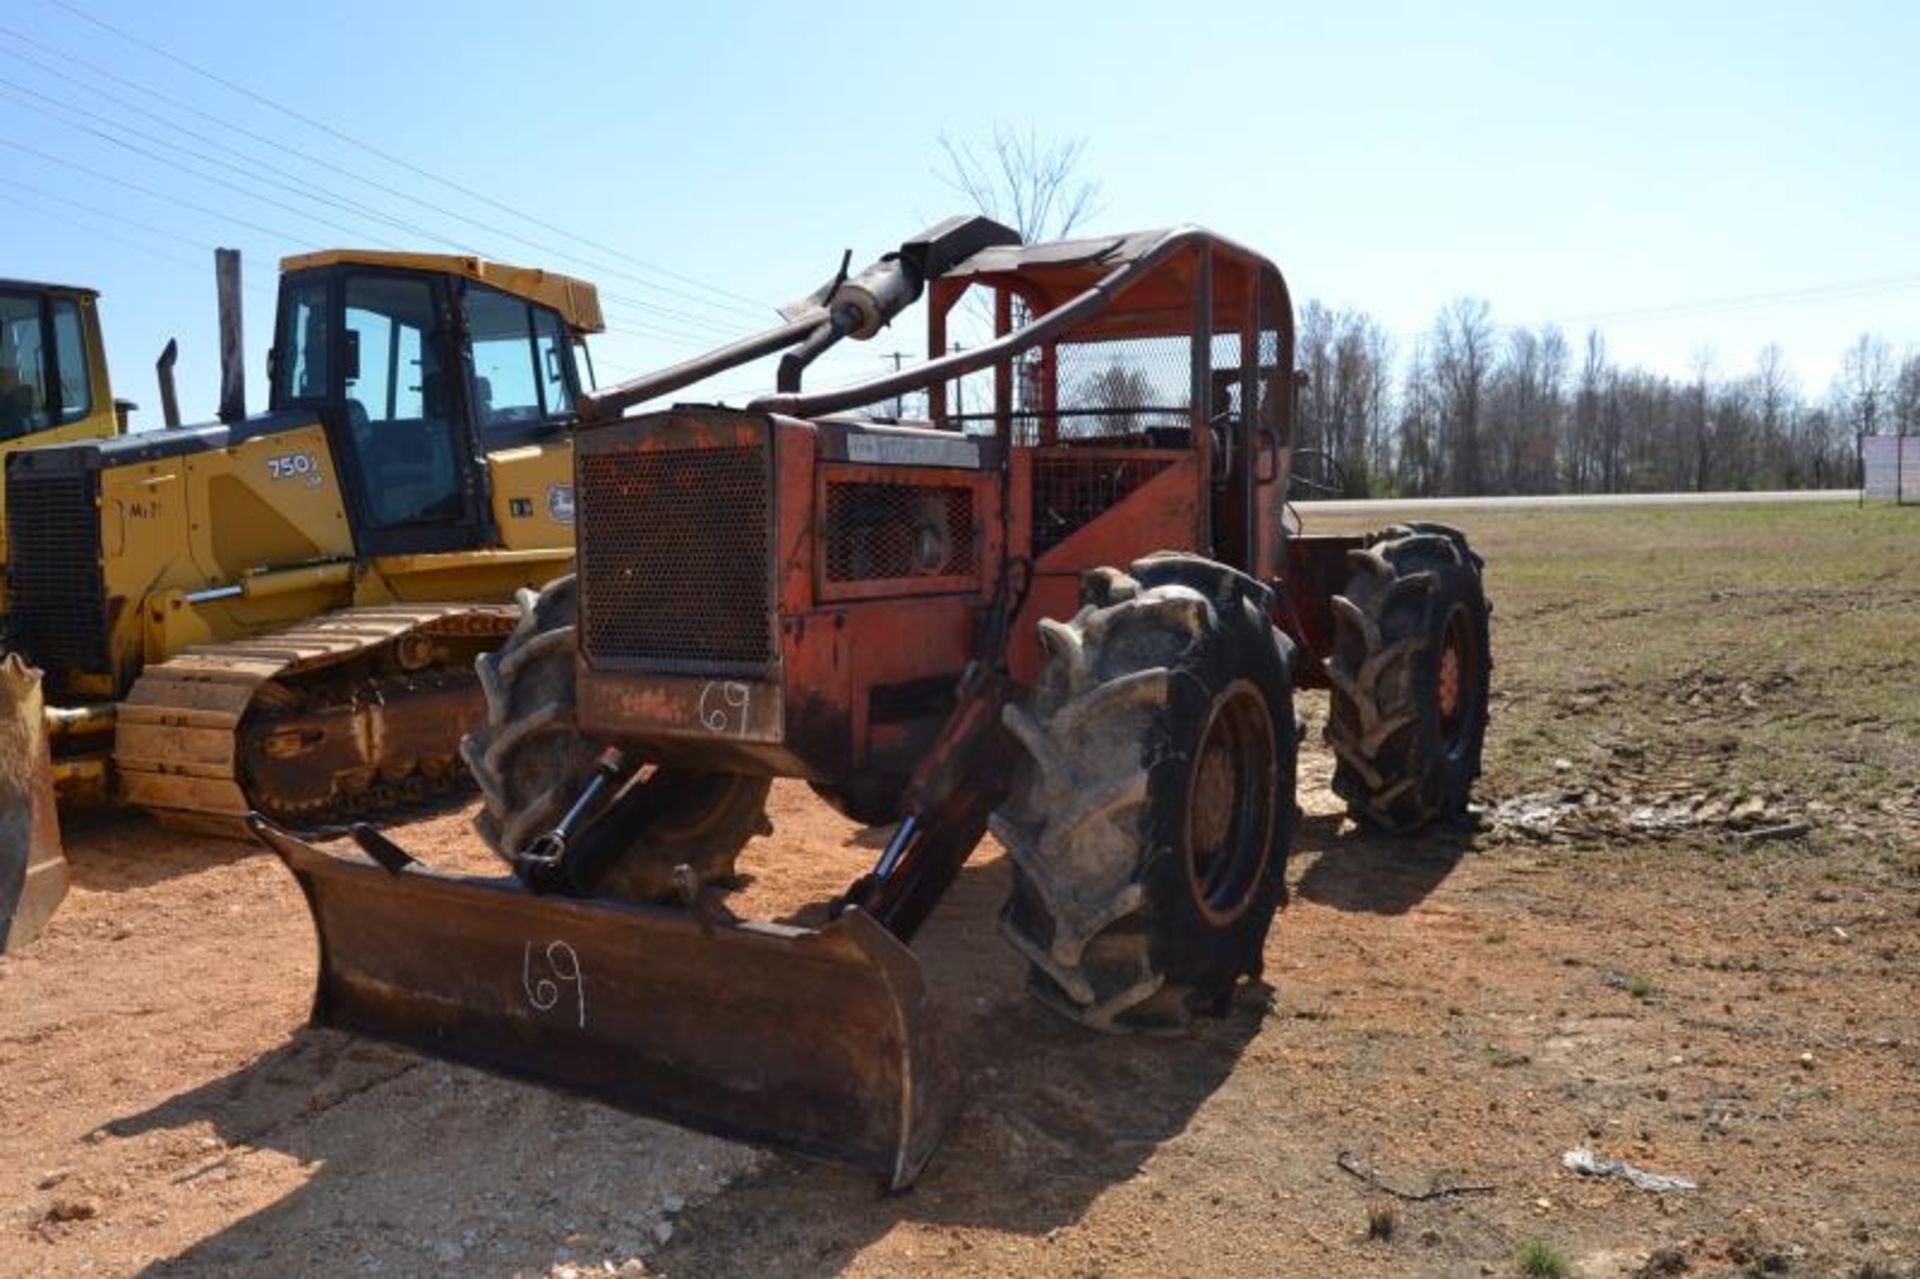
[280, 613]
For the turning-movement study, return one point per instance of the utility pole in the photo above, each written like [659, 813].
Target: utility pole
[898, 358]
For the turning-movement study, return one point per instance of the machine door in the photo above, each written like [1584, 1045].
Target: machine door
[372, 352]
[404, 420]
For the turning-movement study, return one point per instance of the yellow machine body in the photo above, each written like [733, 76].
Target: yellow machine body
[53, 371]
[216, 605]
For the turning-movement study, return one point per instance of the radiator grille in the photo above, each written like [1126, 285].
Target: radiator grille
[879, 531]
[58, 593]
[1070, 490]
[675, 559]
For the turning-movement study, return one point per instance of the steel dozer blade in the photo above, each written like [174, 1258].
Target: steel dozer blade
[821, 1042]
[33, 866]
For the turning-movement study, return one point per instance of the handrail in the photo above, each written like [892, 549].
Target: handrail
[1024, 338]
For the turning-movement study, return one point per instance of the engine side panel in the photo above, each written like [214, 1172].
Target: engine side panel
[866, 561]
[531, 488]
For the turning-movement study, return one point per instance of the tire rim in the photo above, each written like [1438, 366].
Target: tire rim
[1230, 797]
[1456, 691]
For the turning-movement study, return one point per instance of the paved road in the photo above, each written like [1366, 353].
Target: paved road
[1575, 500]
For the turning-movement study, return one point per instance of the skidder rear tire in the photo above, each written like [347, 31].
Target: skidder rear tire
[1150, 825]
[531, 761]
[1410, 670]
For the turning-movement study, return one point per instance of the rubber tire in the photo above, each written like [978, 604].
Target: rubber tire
[1103, 907]
[1392, 765]
[531, 761]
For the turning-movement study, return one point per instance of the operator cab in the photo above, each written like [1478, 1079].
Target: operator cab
[419, 365]
[52, 372]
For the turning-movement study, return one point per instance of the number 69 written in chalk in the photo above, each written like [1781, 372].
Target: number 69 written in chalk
[545, 973]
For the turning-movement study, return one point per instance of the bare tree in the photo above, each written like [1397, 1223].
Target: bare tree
[1906, 396]
[1121, 390]
[1588, 459]
[1699, 420]
[1776, 400]
[1462, 361]
[1034, 186]
[1867, 378]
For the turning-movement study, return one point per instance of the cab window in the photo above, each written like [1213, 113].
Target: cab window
[24, 373]
[300, 360]
[521, 374]
[70, 357]
[399, 412]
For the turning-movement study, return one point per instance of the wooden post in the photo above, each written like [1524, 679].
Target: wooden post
[233, 350]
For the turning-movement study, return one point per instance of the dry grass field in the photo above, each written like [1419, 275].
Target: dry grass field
[1683, 931]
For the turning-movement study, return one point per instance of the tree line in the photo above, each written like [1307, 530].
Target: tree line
[1471, 407]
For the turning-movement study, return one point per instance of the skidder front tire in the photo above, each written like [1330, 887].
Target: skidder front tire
[531, 761]
[1150, 825]
[1410, 670]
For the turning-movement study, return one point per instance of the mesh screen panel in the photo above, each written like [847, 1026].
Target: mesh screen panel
[1069, 491]
[878, 531]
[675, 570]
[59, 595]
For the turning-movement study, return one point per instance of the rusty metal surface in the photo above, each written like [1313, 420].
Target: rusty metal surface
[820, 1042]
[341, 716]
[364, 744]
[676, 560]
[33, 867]
[1316, 570]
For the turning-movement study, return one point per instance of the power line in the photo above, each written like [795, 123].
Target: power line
[131, 185]
[304, 185]
[8, 91]
[1751, 301]
[324, 163]
[96, 212]
[1838, 290]
[304, 188]
[398, 162]
[199, 268]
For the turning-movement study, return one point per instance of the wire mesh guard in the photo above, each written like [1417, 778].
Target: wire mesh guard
[664, 582]
[876, 531]
[1071, 491]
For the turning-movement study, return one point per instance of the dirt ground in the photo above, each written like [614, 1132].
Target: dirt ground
[1683, 931]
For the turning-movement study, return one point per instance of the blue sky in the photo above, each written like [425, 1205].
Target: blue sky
[1561, 162]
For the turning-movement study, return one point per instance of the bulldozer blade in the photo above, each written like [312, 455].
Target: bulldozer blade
[33, 867]
[821, 1042]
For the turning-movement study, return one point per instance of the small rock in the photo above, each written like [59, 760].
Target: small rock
[1543, 1203]
[662, 1231]
[633, 1268]
[54, 1178]
[95, 1137]
[1562, 765]
[84, 1208]
[1806, 1061]
[674, 1205]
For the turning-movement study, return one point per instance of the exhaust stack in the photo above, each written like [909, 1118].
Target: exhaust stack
[169, 394]
[233, 353]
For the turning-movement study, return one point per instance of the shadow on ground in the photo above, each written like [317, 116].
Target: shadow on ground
[1054, 1116]
[126, 852]
[1373, 873]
